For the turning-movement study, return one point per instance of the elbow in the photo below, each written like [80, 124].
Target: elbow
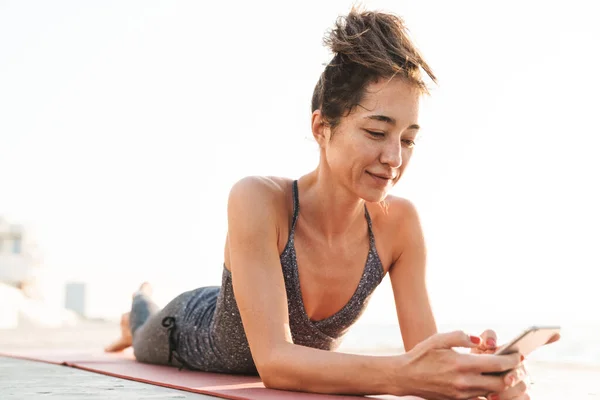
[274, 370]
[270, 380]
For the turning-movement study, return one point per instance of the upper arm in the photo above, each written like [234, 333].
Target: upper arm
[255, 267]
[408, 277]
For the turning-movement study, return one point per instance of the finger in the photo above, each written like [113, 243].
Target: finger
[554, 338]
[513, 393]
[526, 377]
[488, 383]
[488, 340]
[515, 376]
[491, 362]
[452, 339]
[477, 350]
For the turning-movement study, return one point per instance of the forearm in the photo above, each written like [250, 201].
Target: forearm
[300, 368]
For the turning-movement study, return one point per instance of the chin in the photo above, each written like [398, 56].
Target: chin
[376, 199]
[374, 191]
[373, 195]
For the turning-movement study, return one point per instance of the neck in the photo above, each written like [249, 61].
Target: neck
[327, 206]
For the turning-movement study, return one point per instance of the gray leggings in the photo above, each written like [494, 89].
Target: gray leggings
[150, 328]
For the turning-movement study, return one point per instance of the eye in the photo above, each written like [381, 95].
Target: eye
[408, 143]
[377, 135]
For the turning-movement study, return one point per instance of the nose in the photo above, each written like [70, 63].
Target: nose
[392, 154]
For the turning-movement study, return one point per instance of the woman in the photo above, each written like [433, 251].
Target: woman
[295, 277]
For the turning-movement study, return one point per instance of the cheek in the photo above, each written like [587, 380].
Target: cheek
[351, 153]
[406, 156]
[341, 148]
[339, 157]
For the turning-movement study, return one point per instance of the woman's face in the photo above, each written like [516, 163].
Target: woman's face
[371, 147]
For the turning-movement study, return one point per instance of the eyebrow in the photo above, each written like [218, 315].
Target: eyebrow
[390, 120]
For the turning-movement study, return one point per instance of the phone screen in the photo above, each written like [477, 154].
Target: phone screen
[529, 340]
[526, 343]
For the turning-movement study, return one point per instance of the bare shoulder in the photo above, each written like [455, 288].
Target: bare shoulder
[397, 226]
[395, 213]
[263, 203]
[264, 190]
[262, 186]
[257, 214]
[403, 211]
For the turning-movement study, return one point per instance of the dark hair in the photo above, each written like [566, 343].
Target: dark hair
[367, 46]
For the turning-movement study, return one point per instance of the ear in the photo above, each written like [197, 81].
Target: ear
[320, 130]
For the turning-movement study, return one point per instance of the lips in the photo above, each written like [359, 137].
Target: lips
[382, 176]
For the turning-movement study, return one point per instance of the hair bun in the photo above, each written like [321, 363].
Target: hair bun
[374, 40]
[367, 45]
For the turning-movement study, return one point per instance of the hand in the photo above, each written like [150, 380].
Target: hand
[433, 370]
[488, 343]
[515, 379]
[516, 389]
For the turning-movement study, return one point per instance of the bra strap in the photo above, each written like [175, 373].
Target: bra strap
[296, 206]
[370, 225]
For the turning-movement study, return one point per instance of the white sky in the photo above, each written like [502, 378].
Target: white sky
[124, 123]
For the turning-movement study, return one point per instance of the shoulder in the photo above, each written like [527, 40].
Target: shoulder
[259, 206]
[262, 196]
[395, 212]
[398, 223]
[265, 188]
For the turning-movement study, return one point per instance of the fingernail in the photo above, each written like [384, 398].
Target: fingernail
[494, 397]
[491, 342]
[522, 357]
[475, 339]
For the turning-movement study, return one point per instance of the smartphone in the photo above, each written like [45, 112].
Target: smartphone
[529, 340]
[526, 342]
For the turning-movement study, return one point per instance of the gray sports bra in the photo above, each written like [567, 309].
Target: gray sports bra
[224, 344]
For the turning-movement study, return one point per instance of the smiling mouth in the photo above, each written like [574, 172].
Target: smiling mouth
[386, 178]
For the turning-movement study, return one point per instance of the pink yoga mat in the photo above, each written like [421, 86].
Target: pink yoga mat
[123, 365]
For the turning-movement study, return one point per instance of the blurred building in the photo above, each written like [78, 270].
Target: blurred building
[22, 299]
[18, 261]
[76, 294]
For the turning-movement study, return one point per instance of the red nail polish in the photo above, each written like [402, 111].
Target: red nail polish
[494, 397]
[522, 357]
[475, 339]
[491, 342]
